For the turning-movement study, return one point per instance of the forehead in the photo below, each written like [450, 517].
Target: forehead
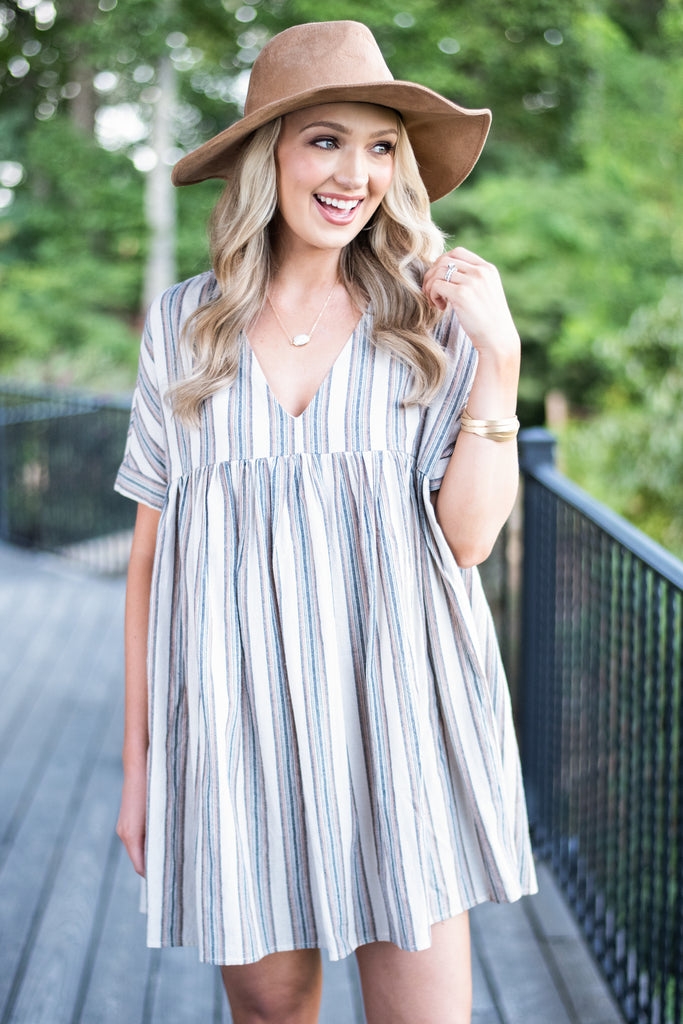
[352, 116]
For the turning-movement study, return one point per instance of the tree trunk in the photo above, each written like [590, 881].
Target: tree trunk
[159, 193]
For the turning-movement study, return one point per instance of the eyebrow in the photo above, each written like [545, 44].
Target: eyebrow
[343, 130]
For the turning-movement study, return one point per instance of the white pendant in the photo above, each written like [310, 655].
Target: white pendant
[301, 339]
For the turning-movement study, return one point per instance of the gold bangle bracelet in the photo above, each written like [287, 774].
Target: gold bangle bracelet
[495, 430]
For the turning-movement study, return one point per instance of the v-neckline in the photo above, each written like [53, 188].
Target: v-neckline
[255, 362]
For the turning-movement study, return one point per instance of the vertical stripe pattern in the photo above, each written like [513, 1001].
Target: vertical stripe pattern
[332, 758]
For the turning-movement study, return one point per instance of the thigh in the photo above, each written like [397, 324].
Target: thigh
[283, 987]
[432, 986]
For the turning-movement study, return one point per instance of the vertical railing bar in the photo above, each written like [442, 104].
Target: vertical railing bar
[612, 605]
[565, 614]
[620, 859]
[632, 746]
[654, 917]
[590, 773]
[554, 694]
[642, 998]
[600, 732]
[678, 746]
[667, 794]
[552, 733]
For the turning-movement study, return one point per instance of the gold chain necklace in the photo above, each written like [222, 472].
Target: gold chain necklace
[301, 339]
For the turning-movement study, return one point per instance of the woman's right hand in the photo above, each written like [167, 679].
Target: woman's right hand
[132, 816]
[131, 826]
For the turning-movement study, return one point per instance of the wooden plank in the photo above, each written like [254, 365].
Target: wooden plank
[484, 1010]
[342, 1001]
[577, 974]
[72, 940]
[52, 978]
[76, 698]
[29, 629]
[185, 990]
[521, 984]
[29, 872]
[50, 681]
[122, 964]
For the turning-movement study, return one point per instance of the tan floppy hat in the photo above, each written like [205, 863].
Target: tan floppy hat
[333, 61]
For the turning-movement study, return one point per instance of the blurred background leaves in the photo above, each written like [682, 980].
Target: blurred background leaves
[577, 197]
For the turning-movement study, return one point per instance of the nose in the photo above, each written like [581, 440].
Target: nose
[352, 170]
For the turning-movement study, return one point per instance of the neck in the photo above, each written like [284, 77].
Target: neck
[305, 274]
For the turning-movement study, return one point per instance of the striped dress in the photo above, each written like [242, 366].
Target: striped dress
[332, 758]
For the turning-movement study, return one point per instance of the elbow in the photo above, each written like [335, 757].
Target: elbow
[469, 555]
[470, 548]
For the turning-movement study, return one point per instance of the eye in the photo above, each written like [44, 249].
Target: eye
[383, 148]
[325, 142]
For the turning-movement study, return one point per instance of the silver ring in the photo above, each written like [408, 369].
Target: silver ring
[450, 270]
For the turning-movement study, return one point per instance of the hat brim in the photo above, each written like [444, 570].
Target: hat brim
[446, 138]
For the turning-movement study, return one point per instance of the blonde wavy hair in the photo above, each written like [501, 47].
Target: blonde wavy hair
[383, 265]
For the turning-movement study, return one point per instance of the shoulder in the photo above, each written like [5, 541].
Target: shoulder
[166, 317]
[173, 306]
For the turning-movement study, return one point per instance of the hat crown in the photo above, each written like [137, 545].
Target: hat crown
[313, 56]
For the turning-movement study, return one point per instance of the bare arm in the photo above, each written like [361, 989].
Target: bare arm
[131, 823]
[480, 484]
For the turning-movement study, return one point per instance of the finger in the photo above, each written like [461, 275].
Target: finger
[136, 852]
[445, 270]
[441, 293]
[466, 256]
[134, 842]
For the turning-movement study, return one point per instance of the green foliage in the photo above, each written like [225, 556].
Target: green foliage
[69, 276]
[577, 197]
[580, 249]
[631, 456]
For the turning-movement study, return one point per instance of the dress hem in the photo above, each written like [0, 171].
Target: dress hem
[347, 949]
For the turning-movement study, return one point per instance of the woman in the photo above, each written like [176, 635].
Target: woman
[324, 755]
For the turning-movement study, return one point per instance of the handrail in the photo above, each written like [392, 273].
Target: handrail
[601, 681]
[59, 452]
[536, 459]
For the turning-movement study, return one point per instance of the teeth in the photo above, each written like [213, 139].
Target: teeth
[340, 204]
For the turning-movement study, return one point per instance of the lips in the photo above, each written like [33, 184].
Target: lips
[337, 209]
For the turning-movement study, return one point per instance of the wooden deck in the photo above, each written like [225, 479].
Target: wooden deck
[71, 939]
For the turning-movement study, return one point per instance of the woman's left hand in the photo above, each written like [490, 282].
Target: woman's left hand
[475, 292]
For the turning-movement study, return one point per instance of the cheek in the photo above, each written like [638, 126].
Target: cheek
[382, 179]
[295, 171]
[307, 169]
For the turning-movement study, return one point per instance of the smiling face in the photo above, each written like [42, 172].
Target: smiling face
[335, 162]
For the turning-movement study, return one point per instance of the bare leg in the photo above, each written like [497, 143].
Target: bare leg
[432, 986]
[282, 988]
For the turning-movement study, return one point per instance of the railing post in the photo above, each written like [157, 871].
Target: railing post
[536, 448]
[537, 648]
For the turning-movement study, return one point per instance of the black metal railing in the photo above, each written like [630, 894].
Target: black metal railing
[601, 678]
[59, 452]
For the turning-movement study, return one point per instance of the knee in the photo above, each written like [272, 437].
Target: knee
[271, 1008]
[259, 994]
[275, 1007]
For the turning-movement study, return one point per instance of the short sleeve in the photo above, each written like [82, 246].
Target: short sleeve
[442, 420]
[143, 474]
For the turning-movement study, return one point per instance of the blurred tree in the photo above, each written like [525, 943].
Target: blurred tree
[109, 68]
[582, 247]
[575, 196]
[631, 456]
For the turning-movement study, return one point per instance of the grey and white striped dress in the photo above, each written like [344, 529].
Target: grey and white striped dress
[332, 758]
